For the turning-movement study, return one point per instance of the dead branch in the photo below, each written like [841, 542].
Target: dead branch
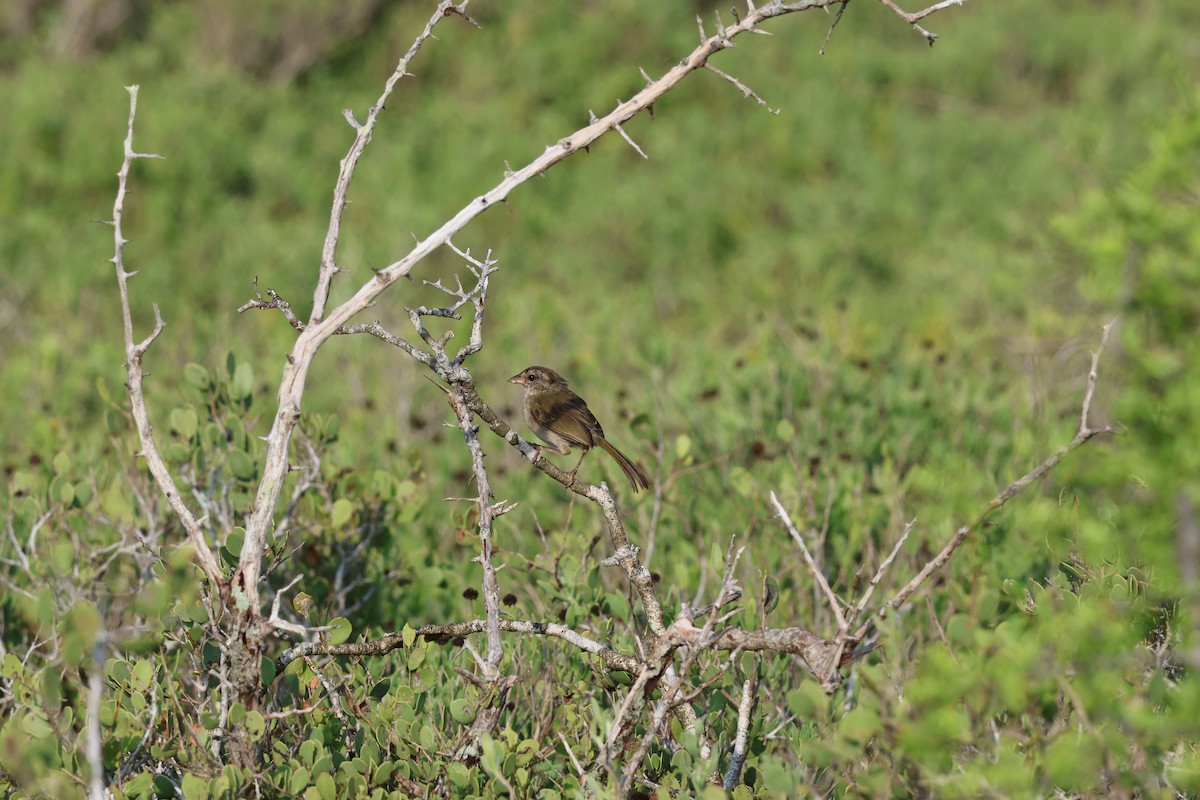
[1084, 435]
[134, 352]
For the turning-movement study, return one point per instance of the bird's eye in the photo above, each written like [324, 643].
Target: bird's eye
[531, 375]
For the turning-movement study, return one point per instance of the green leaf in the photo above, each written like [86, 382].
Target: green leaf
[242, 466]
[339, 630]
[408, 635]
[194, 787]
[243, 382]
[459, 775]
[462, 711]
[139, 784]
[343, 510]
[143, 675]
[163, 786]
[807, 701]
[326, 786]
[36, 726]
[267, 671]
[185, 422]
[298, 780]
[235, 540]
[255, 725]
[63, 557]
[196, 376]
[683, 446]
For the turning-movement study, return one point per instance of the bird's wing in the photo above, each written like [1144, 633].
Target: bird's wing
[572, 420]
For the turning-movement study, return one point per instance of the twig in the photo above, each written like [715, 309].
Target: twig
[746, 91]
[826, 674]
[348, 730]
[836, 20]
[278, 622]
[912, 19]
[834, 602]
[738, 757]
[451, 632]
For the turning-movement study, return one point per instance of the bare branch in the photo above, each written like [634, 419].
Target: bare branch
[94, 747]
[491, 590]
[134, 352]
[738, 757]
[912, 19]
[834, 602]
[1085, 434]
[826, 674]
[836, 20]
[746, 91]
[362, 137]
[348, 728]
[454, 631]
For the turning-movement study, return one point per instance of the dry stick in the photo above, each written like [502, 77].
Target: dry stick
[348, 731]
[94, 747]
[134, 353]
[836, 20]
[454, 631]
[738, 757]
[825, 675]
[681, 632]
[1082, 437]
[912, 18]
[834, 602]
[320, 328]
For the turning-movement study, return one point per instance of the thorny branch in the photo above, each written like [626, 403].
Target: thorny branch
[1084, 435]
[134, 352]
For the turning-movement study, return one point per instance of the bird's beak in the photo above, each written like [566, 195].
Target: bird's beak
[518, 378]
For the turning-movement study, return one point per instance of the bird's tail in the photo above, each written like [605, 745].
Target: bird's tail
[637, 478]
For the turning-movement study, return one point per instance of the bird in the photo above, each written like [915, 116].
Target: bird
[562, 420]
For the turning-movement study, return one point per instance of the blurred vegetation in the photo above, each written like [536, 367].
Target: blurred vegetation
[879, 303]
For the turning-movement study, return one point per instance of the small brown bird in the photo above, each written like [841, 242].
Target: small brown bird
[562, 420]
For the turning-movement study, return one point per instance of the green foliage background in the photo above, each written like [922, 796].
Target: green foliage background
[879, 303]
